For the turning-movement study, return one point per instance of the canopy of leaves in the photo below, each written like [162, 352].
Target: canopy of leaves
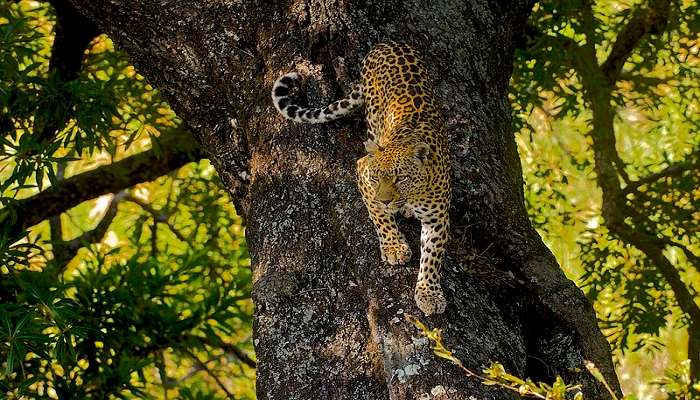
[142, 293]
[654, 102]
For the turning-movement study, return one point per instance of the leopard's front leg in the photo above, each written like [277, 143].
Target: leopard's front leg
[392, 243]
[434, 235]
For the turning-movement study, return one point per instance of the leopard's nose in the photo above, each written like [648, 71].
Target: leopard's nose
[386, 202]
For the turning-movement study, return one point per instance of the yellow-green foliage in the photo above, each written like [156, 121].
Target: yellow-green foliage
[496, 375]
[159, 305]
[655, 105]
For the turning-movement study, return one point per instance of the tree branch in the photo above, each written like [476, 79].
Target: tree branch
[158, 217]
[203, 366]
[238, 353]
[670, 171]
[229, 348]
[650, 246]
[598, 83]
[64, 251]
[164, 379]
[73, 34]
[641, 80]
[650, 19]
[615, 210]
[177, 149]
[693, 258]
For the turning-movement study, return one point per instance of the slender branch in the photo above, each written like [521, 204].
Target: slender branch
[653, 249]
[534, 35]
[670, 211]
[239, 354]
[158, 217]
[693, 258]
[651, 19]
[208, 371]
[228, 348]
[194, 370]
[102, 227]
[648, 245]
[642, 80]
[670, 171]
[164, 379]
[68, 249]
[177, 149]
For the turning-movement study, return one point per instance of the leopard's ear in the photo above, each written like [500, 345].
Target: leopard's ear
[371, 146]
[421, 152]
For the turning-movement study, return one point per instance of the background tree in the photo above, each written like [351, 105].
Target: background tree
[109, 296]
[626, 76]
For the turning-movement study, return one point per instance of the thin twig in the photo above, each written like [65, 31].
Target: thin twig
[158, 216]
[670, 171]
[229, 349]
[70, 248]
[208, 371]
[163, 374]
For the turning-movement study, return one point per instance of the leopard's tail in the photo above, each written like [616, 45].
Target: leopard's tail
[290, 110]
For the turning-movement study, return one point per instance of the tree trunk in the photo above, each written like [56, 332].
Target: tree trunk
[329, 315]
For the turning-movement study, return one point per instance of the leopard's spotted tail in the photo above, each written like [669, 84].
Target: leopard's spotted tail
[286, 106]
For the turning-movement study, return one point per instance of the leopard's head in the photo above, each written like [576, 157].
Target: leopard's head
[397, 172]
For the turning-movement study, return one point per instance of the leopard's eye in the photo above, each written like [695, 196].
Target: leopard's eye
[401, 179]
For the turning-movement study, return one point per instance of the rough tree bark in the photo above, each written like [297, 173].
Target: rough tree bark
[329, 316]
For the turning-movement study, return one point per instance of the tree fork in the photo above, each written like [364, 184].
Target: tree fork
[329, 320]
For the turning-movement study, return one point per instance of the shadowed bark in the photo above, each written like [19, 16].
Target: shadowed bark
[329, 319]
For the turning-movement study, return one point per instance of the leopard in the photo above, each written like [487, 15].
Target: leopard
[407, 167]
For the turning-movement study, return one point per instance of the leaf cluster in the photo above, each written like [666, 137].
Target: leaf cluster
[159, 301]
[653, 103]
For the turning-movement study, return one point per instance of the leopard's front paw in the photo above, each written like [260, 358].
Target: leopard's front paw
[430, 298]
[396, 253]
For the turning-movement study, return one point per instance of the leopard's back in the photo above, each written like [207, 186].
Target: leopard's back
[397, 88]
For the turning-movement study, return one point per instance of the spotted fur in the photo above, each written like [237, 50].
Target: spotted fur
[407, 168]
[291, 110]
